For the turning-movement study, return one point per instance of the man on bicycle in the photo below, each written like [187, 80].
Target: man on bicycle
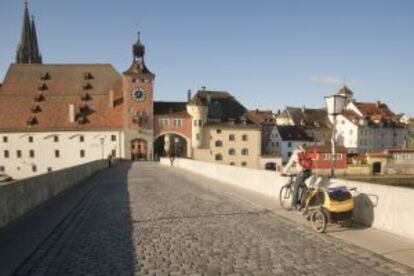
[302, 162]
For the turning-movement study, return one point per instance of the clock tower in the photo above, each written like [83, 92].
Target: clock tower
[138, 96]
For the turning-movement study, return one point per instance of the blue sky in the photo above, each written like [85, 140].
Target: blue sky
[269, 54]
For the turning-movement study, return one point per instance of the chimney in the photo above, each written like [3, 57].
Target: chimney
[378, 104]
[111, 98]
[303, 109]
[189, 95]
[72, 113]
[208, 97]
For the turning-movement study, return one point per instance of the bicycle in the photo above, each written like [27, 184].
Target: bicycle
[285, 194]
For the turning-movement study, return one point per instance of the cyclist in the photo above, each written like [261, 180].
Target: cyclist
[302, 162]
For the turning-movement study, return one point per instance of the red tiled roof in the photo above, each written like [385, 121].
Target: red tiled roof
[171, 108]
[374, 111]
[262, 116]
[61, 85]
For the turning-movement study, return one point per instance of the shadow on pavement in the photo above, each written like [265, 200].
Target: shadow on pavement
[90, 235]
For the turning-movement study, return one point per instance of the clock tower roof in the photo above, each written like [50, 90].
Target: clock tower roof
[138, 67]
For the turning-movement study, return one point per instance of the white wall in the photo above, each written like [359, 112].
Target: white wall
[19, 197]
[44, 147]
[386, 208]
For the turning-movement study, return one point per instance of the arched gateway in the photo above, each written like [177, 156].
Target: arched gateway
[170, 144]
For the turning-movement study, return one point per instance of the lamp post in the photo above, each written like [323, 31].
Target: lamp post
[335, 105]
[176, 140]
[102, 140]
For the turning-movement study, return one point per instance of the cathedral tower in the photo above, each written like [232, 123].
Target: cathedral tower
[28, 48]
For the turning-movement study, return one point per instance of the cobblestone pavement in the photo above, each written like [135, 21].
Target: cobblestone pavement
[148, 220]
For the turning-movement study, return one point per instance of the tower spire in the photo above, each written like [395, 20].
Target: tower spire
[36, 56]
[24, 53]
[28, 47]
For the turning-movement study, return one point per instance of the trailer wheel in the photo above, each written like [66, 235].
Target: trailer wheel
[319, 221]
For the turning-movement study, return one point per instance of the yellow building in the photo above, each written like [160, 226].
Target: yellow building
[222, 131]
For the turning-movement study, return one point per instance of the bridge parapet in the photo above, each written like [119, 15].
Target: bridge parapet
[383, 207]
[17, 198]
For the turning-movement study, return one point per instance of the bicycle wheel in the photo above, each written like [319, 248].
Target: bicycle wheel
[285, 197]
[319, 221]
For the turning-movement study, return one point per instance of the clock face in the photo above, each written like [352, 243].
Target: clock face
[138, 95]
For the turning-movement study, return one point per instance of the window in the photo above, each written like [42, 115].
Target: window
[245, 137]
[19, 154]
[200, 122]
[218, 131]
[195, 122]
[30, 139]
[232, 152]
[113, 153]
[31, 153]
[34, 168]
[163, 122]
[57, 153]
[49, 169]
[277, 144]
[5, 139]
[6, 154]
[232, 164]
[82, 153]
[219, 157]
[245, 152]
[56, 138]
[81, 139]
[177, 122]
[198, 136]
[244, 164]
[2, 169]
[219, 144]
[232, 137]
[289, 144]
[113, 138]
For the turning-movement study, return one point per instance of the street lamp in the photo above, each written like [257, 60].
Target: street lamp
[176, 140]
[335, 105]
[102, 139]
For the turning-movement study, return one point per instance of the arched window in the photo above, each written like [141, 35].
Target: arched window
[219, 143]
[245, 137]
[232, 152]
[232, 137]
[219, 157]
[244, 164]
[245, 151]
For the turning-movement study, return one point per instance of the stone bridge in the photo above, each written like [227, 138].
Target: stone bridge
[145, 219]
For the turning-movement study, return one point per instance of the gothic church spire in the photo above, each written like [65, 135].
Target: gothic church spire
[28, 48]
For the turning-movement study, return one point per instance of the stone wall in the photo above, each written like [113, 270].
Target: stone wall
[383, 207]
[17, 198]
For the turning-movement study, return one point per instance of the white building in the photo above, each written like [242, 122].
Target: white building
[286, 139]
[54, 116]
[367, 127]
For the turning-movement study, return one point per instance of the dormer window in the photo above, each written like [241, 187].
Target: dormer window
[39, 96]
[85, 97]
[35, 108]
[31, 121]
[87, 86]
[42, 87]
[81, 119]
[88, 76]
[45, 77]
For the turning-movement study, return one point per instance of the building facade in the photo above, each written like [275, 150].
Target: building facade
[54, 116]
[222, 130]
[369, 127]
